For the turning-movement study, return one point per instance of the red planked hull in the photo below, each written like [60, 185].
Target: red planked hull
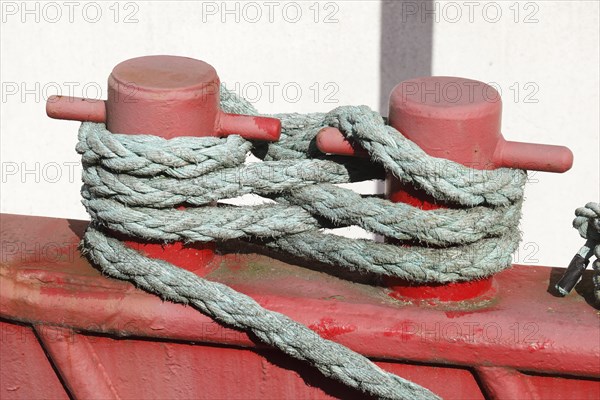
[66, 330]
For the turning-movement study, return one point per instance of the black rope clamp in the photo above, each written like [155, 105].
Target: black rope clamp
[572, 275]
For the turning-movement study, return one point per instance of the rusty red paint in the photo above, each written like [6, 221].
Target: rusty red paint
[400, 330]
[481, 289]
[328, 328]
[523, 328]
[462, 313]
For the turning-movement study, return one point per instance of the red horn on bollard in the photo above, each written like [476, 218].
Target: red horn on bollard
[457, 119]
[167, 96]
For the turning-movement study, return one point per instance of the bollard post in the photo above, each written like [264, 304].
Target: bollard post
[167, 96]
[457, 119]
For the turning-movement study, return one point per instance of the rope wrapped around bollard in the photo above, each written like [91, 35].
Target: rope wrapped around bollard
[587, 223]
[132, 183]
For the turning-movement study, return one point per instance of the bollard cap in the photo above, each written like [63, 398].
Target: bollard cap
[458, 119]
[445, 97]
[448, 117]
[164, 95]
[162, 77]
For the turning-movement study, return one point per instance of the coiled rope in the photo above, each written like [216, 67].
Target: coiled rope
[132, 182]
[587, 223]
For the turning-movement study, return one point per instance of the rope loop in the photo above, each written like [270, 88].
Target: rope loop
[133, 182]
[587, 221]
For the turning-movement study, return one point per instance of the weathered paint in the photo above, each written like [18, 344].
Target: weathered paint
[155, 349]
[167, 96]
[457, 119]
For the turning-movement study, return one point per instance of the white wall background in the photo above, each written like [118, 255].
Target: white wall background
[542, 55]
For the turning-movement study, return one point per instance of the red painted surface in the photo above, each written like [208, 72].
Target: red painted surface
[328, 328]
[166, 96]
[106, 339]
[148, 348]
[25, 371]
[482, 289]
[457, 119]
[77, 362]
[506, 383]
[76, 109]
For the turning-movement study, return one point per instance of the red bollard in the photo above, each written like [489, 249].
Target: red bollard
[167, 96]
[457, 119]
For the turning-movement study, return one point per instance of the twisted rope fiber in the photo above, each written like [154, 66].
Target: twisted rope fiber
[587, 223]
[131, 183]
[240, 311]
[129, 199]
